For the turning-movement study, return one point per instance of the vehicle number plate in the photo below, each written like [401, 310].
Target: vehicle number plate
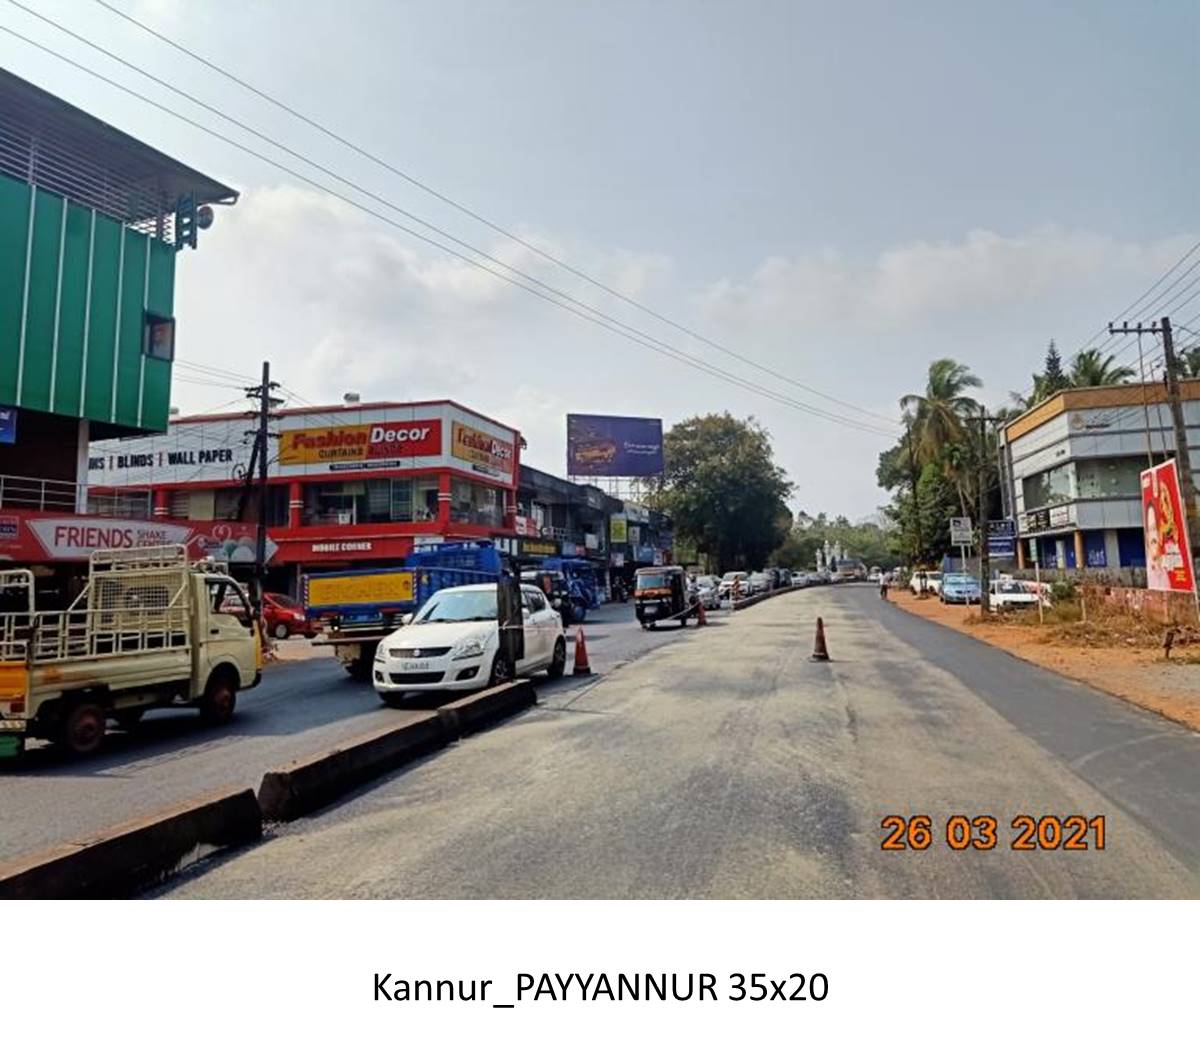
[417, 666]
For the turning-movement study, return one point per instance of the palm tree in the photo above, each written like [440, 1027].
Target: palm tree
[1091, 368]
[938, 418]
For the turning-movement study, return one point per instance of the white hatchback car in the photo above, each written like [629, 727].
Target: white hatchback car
[453, 644]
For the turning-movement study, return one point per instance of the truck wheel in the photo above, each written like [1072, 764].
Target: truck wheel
[82, 729]
[360, 668]
[281, 631]
[219, 699]
[558, 662]
[128, 719]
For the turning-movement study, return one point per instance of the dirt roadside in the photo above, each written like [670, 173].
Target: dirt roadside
[1135, 673]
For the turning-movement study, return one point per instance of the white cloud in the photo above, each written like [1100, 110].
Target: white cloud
[339, 302]
[906, 286]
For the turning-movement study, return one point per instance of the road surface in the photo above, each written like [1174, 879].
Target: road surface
[727, 764]
[300, 708]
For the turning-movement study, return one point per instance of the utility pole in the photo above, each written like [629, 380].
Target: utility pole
[262, 437]
[984, 553]
[912, 474]
[1183, 459]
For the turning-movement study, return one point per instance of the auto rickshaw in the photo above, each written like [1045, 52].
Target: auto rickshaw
[660, 593]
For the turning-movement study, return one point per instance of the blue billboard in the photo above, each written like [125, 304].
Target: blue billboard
[602, 444]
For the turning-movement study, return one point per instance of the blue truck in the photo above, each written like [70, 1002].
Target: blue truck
[358, 608]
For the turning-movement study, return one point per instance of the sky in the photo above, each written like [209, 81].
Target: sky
[838, 193]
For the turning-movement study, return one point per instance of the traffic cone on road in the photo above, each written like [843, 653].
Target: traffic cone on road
[820, 653]
[700, 619]
[582, 669]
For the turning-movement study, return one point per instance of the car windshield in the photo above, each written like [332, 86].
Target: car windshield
[954, 578]
[739, 575]
[704, 581]
[284, 602]
[459, 607]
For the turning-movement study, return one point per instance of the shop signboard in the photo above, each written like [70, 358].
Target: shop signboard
[617, 558]
[617, 529]
[538, 548]
[485, 453]
[1060, 515]
[525, 525]
[643, 553]
[8, 425]
[353, 447]
[72, 538]
[1164, 523]
[591, 541]
[635, 534]
[1002, 538]
[606, 444]
[326, 441]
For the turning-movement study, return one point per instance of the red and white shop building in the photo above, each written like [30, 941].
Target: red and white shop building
[348, 486]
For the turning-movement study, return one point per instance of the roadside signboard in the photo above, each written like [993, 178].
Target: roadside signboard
[1002, 538]
[960, 531]
[605, 444]
[1164, 524]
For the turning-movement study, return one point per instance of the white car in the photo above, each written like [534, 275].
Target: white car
[708, 591]
[932, 580]
[727, 581]
[760, 583]
[1006, 593]
[800, 579]
[453, 644]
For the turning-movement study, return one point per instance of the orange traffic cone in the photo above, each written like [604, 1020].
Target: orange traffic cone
[582, 669]
[820, 654]
[700, 620]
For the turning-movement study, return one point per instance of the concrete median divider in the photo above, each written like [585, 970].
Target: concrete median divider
[315, 781]
[745, 603]
[486, 707]
[121, 860]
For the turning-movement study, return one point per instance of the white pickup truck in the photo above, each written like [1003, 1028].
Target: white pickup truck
[149, 629]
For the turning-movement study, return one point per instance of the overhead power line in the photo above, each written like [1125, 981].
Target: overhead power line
[440, 196]
[571, 304]
[1126, 312]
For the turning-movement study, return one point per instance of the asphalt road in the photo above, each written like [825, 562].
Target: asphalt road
[727, 764]
[299, 708]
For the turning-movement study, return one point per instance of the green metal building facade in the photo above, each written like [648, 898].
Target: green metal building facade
[91, 223]
[75, 286]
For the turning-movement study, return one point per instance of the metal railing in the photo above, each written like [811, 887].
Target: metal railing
[120, 503]
[19, 491]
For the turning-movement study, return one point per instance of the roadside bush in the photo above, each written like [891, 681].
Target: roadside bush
[1062, 591]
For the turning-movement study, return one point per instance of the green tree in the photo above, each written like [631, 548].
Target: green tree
[1052, 379]
[939, 421]
[1091, 367]
[724, 490]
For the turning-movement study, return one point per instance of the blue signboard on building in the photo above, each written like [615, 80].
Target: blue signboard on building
[8, 424]
[1002, 538]
[602, 444]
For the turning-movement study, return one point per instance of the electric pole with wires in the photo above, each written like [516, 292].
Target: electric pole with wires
[1183, 458]
[262, 437]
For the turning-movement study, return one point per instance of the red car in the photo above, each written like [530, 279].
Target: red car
[285, 616]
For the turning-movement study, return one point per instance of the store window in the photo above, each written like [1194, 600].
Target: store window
[472, 502]
[358, 501]
[1109, 477]
[1053, 486]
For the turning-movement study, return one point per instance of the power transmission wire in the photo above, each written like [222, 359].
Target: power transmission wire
[573, 305]
[1120, 316]
[433, 192]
